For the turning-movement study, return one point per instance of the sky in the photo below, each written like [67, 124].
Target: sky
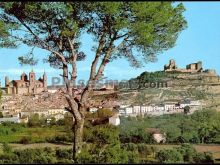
[199, 42]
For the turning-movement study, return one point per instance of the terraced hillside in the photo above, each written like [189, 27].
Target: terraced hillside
[199, 86]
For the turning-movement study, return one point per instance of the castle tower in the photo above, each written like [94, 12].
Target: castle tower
[24, 77]
[32, 78]
[45, 80]
[6, 81]
[199, 65]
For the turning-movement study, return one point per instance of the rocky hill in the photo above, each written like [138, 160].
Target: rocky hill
[172, 87]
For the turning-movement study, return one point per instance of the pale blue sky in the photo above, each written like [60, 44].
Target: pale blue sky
[199, 42]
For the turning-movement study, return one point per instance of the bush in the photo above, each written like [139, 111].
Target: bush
[1, 115]
[13, 129]
[9, 158]
[25, 140]
[60, 122]
[60, 138]
[169, 156]
[64, 153]
[84, 157]
[6, 148]
[34, 156]
[205, 157]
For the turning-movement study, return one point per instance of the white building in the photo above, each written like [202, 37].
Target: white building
[145, 109]
[114, 120]
[169, 107]
[93, 109]
[137, 109]
[159, 108]
[58, 116]
[185, 103]
[124, 106]
[52, 90]
[121, 111]
[195, 103]
[10, 119]
[55, 111]
[159, 137]
[41, 113]
[129, 110]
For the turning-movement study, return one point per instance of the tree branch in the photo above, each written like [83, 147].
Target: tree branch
[73, 60]
[104, 61]
[90, 85]
[95, 61]
[45, 46]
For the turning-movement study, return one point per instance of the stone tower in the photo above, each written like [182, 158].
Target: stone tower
[6, 81]
[199, 65]
[24, 77]
[45, 80]
[32, 78]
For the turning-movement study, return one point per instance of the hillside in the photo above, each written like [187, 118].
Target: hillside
[172, 86]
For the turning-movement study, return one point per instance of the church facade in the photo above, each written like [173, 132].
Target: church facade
[25, 85]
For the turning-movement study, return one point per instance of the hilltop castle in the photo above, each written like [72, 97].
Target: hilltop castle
[25, 86]
[190, 68]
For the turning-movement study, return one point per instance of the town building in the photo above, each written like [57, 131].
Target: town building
[93, 109]
[58, 116]
[25, 85]
[121, 112]
[114, 120]
[128, 110]
[10, 119]
[157, 134]
[159, 107]
[184, 103]
[137, 109]
[169, 106]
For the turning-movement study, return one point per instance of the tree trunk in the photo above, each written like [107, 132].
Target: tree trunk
[78, 137]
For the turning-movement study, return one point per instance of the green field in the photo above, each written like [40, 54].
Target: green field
[14, 133]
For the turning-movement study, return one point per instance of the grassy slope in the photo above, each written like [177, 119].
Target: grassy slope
[37, 134]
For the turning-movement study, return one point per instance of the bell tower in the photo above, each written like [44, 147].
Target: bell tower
[24, 77]
[6, 81]
[45, 80]
[32, 78]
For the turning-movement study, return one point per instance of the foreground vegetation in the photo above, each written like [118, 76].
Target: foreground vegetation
[201, 127]
[106, 147]
[127, 143]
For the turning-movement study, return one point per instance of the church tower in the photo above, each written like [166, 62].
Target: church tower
[45, 80]
[6, 81]
[32, 78]
[24, 77]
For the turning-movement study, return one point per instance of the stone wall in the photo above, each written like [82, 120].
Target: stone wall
[22, 90]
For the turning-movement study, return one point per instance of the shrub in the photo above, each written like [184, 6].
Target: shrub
[64, 153]
[169, 156]
[13, 129]
[6, 148]
[25, 140]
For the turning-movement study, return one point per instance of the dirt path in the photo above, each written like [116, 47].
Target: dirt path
[39, 145]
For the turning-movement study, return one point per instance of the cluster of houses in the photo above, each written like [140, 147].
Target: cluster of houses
[152, 110]
[23, 116]
[158, 109]
[19, 109]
